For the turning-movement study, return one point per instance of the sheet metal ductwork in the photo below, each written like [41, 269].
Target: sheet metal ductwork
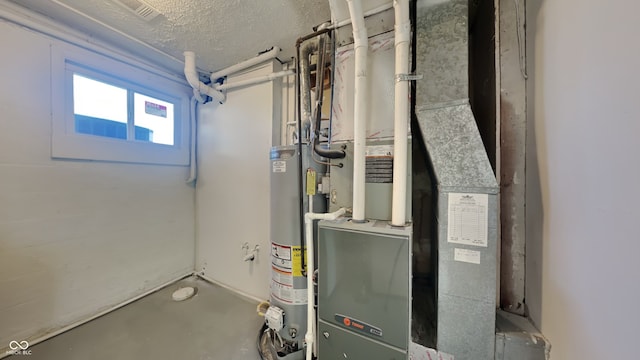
[465, 182]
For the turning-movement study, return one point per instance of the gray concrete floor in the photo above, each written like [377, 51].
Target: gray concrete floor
[214, 324]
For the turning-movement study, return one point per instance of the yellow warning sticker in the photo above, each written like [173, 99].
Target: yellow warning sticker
[311, 182]
[296, 260]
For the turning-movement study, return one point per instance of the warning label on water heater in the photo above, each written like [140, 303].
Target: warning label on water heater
[288, 294]
[286, 265]
[296, 260]
[281, 257]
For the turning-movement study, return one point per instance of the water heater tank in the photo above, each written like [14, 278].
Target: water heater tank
[288, 274]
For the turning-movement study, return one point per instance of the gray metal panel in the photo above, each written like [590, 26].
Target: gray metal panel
[456, 278]
[456, 150]
[364, 275]
[518, 339]
[466, 292]
[520, 346]
[466, 327]
[375, 226]
[442, 50]
[378, 197]
[335, 343]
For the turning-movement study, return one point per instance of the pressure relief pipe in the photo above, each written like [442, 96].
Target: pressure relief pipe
[192, 78]
[311, 318]
[401, 112]
[361, 45]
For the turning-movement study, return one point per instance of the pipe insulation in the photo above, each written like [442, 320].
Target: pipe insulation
[305, 83]
[192, 78]
[308, 223]
[271, 54]
[317, 116]
[361, 45]
[253, 81]
[401, 111]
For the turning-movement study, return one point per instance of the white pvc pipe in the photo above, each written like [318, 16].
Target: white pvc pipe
[368, 13]
[271, 54]
[193, 168]
[253, 81]
[309, 217]
[333, 8]
[361, 44]
[192, 78]
[401, 113]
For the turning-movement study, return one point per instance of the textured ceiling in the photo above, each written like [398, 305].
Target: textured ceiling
[221, 32]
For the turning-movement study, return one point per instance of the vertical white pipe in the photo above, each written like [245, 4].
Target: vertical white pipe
[361, 44]
[309, 217]
[333, 6]
[193, 168]
[401, 112]
[309, 335]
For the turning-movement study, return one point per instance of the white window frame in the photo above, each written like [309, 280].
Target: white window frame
[66, 143]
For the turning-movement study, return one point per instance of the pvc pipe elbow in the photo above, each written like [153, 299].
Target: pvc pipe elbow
[191, 75]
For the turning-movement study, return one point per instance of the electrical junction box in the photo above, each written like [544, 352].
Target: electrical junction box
[364, 290]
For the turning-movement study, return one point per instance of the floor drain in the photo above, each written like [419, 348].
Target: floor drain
[183, 293]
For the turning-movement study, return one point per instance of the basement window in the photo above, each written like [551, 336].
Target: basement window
[105, 110]
[108, 110]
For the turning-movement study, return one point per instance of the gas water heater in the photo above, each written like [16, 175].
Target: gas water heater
[286, 318]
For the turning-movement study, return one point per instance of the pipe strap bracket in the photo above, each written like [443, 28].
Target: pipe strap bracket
[408, 77]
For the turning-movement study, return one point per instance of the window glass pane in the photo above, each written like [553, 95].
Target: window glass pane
[99, 108]
[153, 119]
